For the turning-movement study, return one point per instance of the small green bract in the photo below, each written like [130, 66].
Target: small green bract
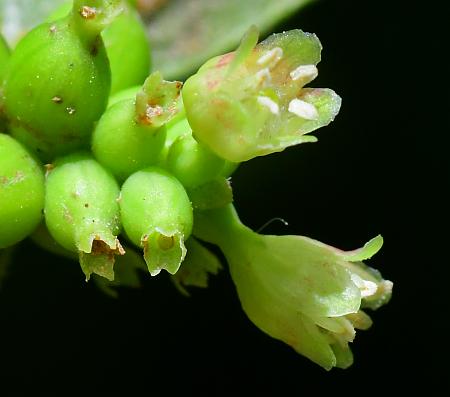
[130, 156]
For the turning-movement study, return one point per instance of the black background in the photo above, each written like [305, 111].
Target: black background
[380, 167]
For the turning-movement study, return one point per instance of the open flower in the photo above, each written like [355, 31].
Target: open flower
[299, 290]
[252, 102]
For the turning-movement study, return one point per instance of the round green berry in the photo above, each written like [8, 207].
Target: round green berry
[21, 192]
[122, 144]
[58, 80]
[157, 216]
[82, 212]
[126, 45]
[131, 133]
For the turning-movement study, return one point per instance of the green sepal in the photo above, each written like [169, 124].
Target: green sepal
[98, 256]
[366, 252]
[126, 273]
[92, 16]
[214, 194]
[158, 100]
[248, 43]
[196, 268]
[163, 250]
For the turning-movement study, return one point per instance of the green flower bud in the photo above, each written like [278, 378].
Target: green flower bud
[252, 102]
[298, 290]
[58, 80]
[175, 128]
[126, 45]
[82, 212]
[192, 163]
[130, 135]
[21, 192]
[157, 216]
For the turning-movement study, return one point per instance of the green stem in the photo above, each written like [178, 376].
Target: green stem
[220, 226]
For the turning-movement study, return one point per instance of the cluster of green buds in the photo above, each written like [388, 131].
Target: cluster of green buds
[100, 159]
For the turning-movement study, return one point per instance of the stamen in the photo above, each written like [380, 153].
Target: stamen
[367, 288]
[303, 109]
[271, 57]
[304, 71]
[269, 103]
[263, 75]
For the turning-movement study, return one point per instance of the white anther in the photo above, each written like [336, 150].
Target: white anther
[269, 103]
[303, 109]
[304, 71]
[264, 75]
[272, 56]
[367, 288]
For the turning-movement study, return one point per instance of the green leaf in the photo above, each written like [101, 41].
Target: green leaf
[185, 33]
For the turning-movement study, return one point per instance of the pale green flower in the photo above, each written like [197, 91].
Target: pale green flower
[252, 102]
[296, 289]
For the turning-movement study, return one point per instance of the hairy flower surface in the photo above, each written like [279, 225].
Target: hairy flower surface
[252, 102]
[299, 290]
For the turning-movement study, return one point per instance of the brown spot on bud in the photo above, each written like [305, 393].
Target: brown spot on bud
[88, 12]
[48, 168]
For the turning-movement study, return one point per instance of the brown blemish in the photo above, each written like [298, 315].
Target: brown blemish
[99, 247]
[87, 12]
[48, 168]
[86, 205]
[18, 177]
